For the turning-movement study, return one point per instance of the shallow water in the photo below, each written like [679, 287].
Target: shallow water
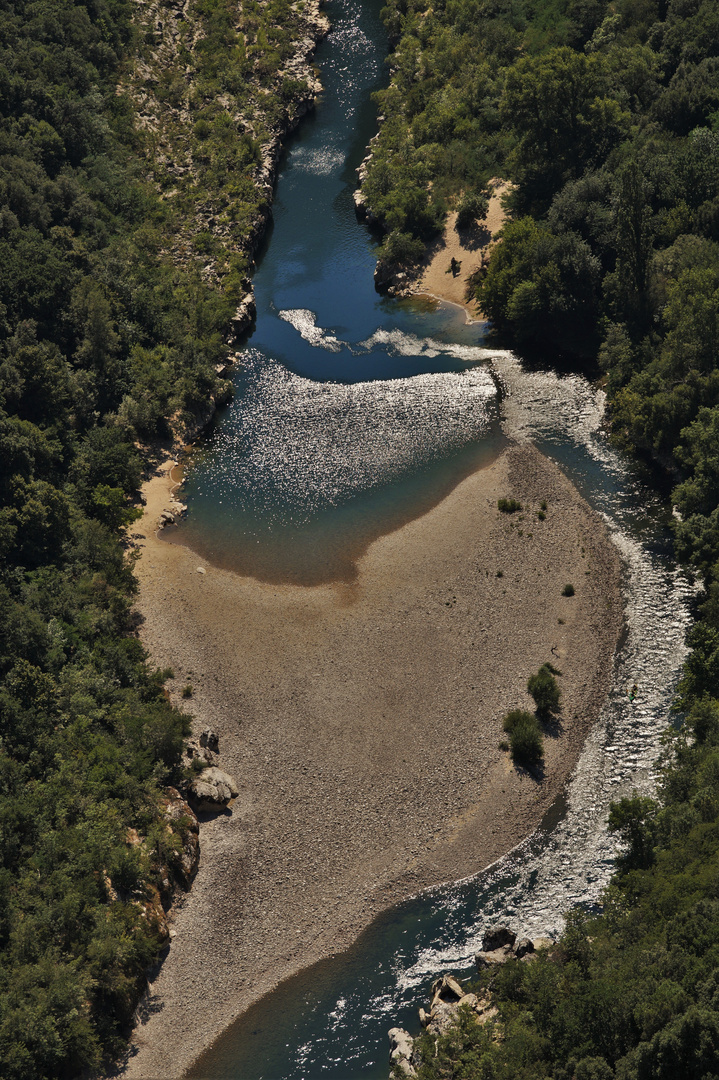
[354, 414]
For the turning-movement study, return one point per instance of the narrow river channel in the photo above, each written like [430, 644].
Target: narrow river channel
[354, 413]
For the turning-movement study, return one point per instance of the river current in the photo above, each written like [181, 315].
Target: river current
[354, 413]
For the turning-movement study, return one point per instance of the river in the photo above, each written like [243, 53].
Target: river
[352, 414]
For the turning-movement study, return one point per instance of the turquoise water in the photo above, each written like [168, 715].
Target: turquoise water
[353, 414]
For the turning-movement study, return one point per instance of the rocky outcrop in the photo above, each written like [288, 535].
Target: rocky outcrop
[182, 821]
[500, 944]
[401, 1047]
[212, 789]
[448, 996]
[244, 315]
[203, 749]
[166, 87]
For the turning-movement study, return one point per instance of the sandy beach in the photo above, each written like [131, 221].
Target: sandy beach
[469, 248]
[363, 724]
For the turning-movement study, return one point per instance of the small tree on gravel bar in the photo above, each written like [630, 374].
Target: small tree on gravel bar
[525, 737]
[544, 689]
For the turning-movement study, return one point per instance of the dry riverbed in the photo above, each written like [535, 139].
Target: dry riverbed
[363, 724]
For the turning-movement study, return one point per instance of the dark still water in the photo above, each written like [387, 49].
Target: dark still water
[354, 414]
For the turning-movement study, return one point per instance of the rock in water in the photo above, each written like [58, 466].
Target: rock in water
[497, 937]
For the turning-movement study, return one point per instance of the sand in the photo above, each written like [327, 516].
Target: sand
[469, 248]
[363, 724]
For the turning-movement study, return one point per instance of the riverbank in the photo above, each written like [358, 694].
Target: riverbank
[467, 250]
[362, 722]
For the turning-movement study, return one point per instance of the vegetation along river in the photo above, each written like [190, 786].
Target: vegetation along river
[354, 414]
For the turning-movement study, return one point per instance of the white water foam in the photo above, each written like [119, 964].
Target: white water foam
[535, 884]
[305, 323]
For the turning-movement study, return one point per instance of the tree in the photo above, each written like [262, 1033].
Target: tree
[632, 819]
[544, 689]
[525, 737]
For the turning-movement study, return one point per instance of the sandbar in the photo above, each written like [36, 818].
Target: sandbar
[363, 723]
[470, 248]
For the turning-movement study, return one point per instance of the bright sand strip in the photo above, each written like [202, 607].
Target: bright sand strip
[468, 248]
[362, 723]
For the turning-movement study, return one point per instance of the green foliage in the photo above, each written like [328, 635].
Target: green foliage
[545, 690]
[525, 737]
[102, 338]
[472, 207]
[508, 506]
[542, 287]
[568, 590]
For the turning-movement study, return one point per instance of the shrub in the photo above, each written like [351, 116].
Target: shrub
[568, 590]
[525, 737]
[473, 206]
[509, 506]
[545, 691]
[187, 691]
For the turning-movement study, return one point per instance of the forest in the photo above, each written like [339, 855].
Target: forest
[605, 118]
[109, 341]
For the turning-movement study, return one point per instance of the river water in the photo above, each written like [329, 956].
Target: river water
[354, 413]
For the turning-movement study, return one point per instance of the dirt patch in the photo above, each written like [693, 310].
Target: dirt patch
[465, 250]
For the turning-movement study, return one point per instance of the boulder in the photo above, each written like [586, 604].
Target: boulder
[211, 740]
[497, 937]
[212, 791]
[524, 947]
[485, 960]
[400, 1051]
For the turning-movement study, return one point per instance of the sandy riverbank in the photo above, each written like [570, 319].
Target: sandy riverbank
[363, 723]
[469, 248]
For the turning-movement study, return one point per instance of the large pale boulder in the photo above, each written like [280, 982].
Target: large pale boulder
[400, 1050]
[212, 790]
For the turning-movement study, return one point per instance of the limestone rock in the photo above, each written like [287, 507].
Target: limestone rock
[524, 947]
[196, 750]
[212, 791]
[181, 819]
[211, 740]
[247, 309]
[485, 960]
[496, 937]
[400, 1050]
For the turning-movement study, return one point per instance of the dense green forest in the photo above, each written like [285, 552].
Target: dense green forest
[109, 339]
[605, 117]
